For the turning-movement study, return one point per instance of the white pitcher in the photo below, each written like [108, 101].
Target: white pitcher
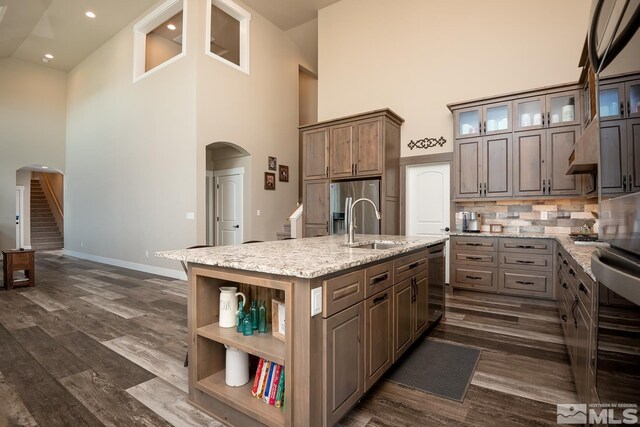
[229, 305]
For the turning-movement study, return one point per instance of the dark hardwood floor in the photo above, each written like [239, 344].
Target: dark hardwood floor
[95, 345]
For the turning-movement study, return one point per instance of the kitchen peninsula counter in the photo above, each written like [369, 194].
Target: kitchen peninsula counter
[350, 313]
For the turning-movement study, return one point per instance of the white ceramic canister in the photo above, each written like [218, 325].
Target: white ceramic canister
[236, 367]
[568, 113]
[229, 306]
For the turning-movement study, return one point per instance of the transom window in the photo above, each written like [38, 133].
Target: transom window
[228, 33]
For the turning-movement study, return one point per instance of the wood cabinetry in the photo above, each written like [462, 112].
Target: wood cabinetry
[316, 202]
[364, 145]
[378, 338]
[620, 156]
[480, 120]
[483, 167]
[619, 99]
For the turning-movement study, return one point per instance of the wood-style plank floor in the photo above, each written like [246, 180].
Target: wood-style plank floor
[95, 345]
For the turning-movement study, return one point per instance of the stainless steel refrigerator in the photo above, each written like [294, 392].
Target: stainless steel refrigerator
[349, 191]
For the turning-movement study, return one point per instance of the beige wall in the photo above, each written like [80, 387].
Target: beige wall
[307, 98]
[416, 56]
[32, 129]
[258, 112]
[158, 50]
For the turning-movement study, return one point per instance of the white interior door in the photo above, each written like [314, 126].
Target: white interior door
[229, 207]
[19, 219]
[428, 201]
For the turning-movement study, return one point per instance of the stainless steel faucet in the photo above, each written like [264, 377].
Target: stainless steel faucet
[352, 228]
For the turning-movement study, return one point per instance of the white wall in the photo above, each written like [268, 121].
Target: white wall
[416, 56]
[131, 174]
[32, 129]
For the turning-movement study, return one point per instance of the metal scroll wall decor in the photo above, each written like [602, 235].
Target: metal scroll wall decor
[427, 143]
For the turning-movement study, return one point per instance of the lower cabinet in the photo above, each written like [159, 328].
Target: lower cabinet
[343, 378]
[420, 306]
[411, 312]
[378, 337]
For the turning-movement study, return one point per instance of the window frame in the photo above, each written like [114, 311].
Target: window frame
[244, 19]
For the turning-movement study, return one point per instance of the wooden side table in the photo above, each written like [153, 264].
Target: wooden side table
[19, 260]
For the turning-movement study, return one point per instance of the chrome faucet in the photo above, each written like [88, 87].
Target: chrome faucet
[352, 228]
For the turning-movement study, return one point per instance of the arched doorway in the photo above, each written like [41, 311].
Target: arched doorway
[228, 193]
[39, 208]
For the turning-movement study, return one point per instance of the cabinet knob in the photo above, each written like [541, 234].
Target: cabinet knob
[624, 182]
[544, 186]
[564, 317]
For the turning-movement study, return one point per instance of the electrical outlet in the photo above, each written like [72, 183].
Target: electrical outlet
[146, 253]
[190, 215]
[258, 212]
[316, 301]
[544, 215]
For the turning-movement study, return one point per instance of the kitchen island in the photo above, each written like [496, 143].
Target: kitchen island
[351, 312]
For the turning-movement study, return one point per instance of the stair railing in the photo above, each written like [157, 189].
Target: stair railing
[295, 219]
[58, 213]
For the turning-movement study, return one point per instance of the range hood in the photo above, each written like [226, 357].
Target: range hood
[584, 158]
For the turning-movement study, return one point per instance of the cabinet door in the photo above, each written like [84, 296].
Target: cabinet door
[581, 352]
[315, 147]
[613, 157]
[560, 145]
[420, 306]
[496, 166]
[529, 168]
[497, 118]
[529, 113]
[467, 168]
[402, 326]
[378, 338]
[632, 90]
[563, 109]
[316, 208]
[467, 122]
[343, 378]
[340, 151]
[633, 154]
[611, 106]
[368, 148]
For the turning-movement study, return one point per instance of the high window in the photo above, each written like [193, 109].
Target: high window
[228, 33]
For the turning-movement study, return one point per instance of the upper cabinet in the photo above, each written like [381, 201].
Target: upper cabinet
[620, 100]
[550, 110]
[355, 149]
[483, 120]
[315, 148]
[482, 167]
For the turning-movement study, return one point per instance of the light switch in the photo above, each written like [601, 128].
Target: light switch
[258, 212]
[190, 215]
[316, 301]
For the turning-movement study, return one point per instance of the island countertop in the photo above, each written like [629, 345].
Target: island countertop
[306, 258]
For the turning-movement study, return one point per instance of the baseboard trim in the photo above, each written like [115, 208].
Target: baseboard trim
[160, 271]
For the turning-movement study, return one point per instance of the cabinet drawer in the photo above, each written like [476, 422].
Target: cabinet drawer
[482, 279]
[534, 284]
[409, 265]
[585, 291]
[474, 243]
[378, 278]
[526, 261]
[532, 246]
[476, 258]
[342, 292]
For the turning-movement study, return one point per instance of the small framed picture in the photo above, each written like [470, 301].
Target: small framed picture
[272, 163]
[495, 228]
[283, 173]
[269, 181]
[278, 319]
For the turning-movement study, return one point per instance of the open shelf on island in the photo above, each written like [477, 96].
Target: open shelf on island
[262, 345]
[240, 397]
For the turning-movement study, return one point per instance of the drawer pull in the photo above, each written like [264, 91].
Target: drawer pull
[564, 261]
[564, 285]
[474, 277]
[520, 282]
[414, 265]
[571, 272]
[473, 244]
[520, 261]
[525, 246]
[564, 317]
[380, 299]
[583, 289]
[378, 279]
[474, 258]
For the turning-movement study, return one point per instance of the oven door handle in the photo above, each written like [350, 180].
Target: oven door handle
[619, 281]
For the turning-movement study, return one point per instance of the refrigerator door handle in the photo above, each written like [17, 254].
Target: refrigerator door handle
[619, 281]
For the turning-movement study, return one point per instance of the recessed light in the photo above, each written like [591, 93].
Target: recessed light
[48, 56]
[90, 14]
[171, 27]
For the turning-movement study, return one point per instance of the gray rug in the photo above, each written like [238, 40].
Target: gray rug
[438, 368]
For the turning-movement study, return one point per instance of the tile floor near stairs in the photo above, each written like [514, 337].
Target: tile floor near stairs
[94, 345]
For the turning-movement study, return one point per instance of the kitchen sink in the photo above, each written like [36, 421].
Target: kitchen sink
[377, 245]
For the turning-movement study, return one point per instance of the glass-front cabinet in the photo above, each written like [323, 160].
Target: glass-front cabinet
[483, 120]
[529, 113]
[633, 98]
[611, 101]
[563, 109]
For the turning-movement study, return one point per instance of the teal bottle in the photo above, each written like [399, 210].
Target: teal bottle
[262, 323]
[239, 317]
[247, 327]
[254, 314]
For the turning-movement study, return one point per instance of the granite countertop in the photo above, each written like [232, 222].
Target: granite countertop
[581, 254]
[305, 258]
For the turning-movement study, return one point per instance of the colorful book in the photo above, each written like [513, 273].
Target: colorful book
[256, 380]
[274, 385]
[263, 378]
[280, 392]
[267, 389]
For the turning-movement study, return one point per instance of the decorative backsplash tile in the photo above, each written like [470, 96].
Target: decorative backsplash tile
[561, 216]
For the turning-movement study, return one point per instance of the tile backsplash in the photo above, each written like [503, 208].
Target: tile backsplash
[560, 216]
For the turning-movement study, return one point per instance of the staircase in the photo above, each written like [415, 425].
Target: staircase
[281, 235]
[45, 234]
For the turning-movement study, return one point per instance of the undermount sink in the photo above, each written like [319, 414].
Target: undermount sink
[377, 245]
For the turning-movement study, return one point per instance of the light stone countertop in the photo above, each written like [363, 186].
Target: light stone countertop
[581, 254]
[305, 258]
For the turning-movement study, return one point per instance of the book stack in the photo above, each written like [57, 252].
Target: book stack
[268, 384]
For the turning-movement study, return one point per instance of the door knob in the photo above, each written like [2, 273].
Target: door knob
[236, 226]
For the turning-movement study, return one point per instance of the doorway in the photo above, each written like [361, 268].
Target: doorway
[428, 201]
[19, 216]
[228, 197]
